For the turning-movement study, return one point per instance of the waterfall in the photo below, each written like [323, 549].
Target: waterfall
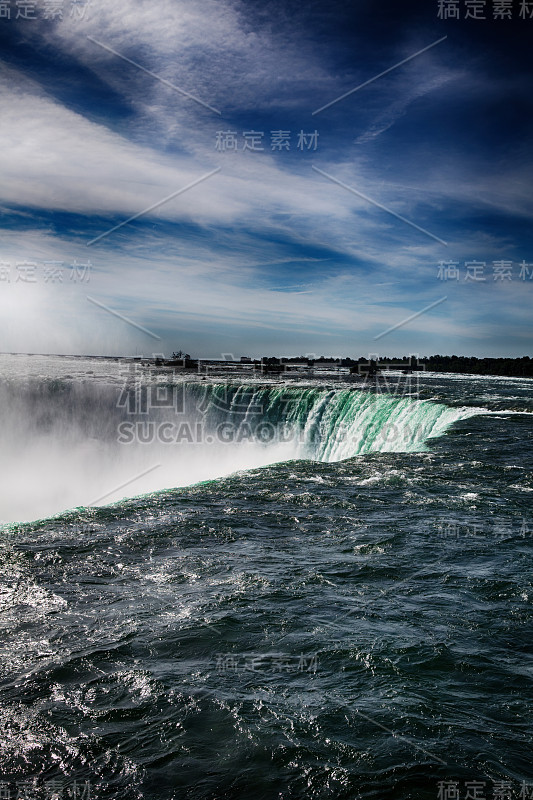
[67, 444]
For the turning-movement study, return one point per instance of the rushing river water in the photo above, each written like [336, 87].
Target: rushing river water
[296, 590]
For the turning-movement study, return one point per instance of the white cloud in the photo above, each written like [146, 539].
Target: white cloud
[53, 158]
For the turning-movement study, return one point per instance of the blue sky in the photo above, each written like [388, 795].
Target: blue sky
[267, 255]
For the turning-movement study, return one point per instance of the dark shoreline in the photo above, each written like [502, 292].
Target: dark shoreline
[445, 365]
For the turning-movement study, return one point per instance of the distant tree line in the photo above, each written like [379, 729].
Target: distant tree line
[509, 367]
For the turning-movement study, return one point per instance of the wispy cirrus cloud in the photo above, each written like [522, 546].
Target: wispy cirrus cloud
[265, 247]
